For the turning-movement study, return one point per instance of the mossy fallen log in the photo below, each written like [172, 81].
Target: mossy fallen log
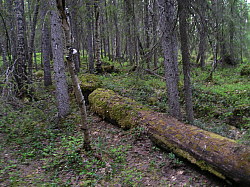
[88, 83]
[214, 153]
[115, 108]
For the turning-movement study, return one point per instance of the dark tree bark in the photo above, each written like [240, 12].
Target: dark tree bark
[46, 44]
[5, 40]
[98, 62]
[202, 32]
[62, 95]
[90, 37]
[11, 24]
[183, 6]
[147, 45]
[20, 65]
[154, 18]
[232, 31]
[4, 54]
[32, 38]
[168, 17]
[117, 34]
[128, 17]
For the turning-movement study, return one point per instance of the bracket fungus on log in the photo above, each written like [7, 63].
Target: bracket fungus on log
[219, 155]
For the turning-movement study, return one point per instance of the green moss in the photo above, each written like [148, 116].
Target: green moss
[162, 142]
[39, 74]
[89, 82]
[110, 105]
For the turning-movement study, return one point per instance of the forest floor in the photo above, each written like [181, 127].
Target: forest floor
[37, 150]
[46, 155]
[123, 158]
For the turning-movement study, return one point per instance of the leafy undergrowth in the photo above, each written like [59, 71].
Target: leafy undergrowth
[36, 150]
[221, 106]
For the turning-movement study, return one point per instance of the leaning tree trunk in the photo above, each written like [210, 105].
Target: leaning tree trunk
[183, 26]
[75, 34]
[169, 46]
[20, 65]
[62, 95]
[71, 65]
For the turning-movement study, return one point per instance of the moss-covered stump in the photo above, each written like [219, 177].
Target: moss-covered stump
[214, 153]
[88, 83]
[115, 108]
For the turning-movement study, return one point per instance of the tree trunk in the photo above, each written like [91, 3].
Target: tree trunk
[128, 15]
[11, 24]
[183, 6]
[117, 34]
[6, 41]
[98, 62]
[62, 95]
[75, 30]
[202, 33]
[147, 46]
[46, 44]
[155, 59]
[32, 38]
[76, 85]
[20, 65]
[90, 37]
[211, 152]
[4, 54]
[169, 46]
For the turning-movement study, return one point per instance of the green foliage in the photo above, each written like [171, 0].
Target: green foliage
[89, 82]
[215, 102]
[140, 89]
[220, 98]
[174, 159]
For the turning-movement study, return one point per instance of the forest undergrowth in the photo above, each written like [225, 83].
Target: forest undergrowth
[221, 105]
[37, 150]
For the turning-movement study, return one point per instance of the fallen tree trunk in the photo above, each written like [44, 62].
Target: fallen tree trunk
[214, 153]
